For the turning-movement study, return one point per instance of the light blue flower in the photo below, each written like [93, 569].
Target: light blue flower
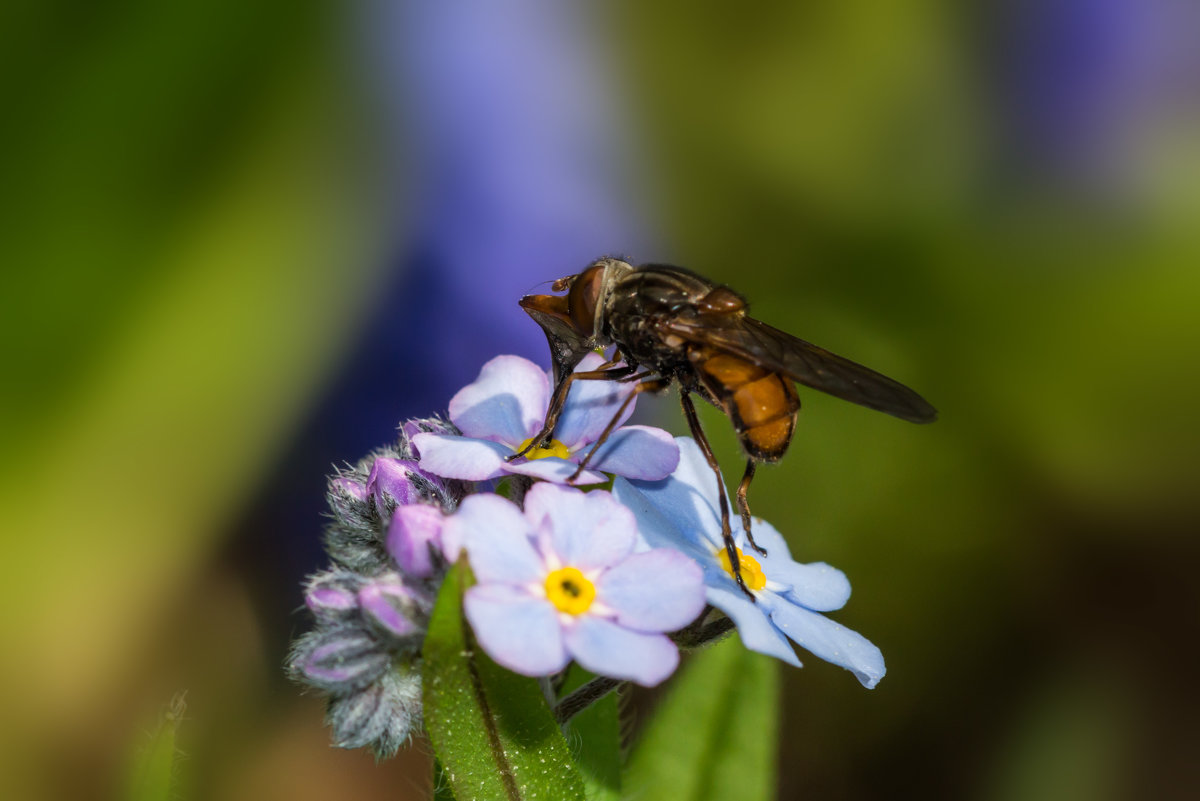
[506, 406]
[561, 581]
[682, 512]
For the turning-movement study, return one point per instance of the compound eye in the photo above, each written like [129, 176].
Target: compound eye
[585, 294]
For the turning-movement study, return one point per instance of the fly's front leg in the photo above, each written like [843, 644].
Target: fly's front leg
[735, 564]
[652, 385]
[559, 399]
[744, 506]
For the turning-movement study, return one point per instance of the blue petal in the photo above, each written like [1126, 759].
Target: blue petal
[831, 641]
[816, 586]
[755, 628]
[608, 649]
[506, 403]
[689, 497]
[657, 528]
[587, 531]
[554, 469]
[658, 590]
[591, 406]
[640, 452]
[461, 457]
[496, 536]
[767, 536]
[517, 630]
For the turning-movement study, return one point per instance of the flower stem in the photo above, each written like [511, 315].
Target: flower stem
[584, 697]
[702, 633]
[518, 486]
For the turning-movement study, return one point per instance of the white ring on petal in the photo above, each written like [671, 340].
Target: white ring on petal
[552, 468]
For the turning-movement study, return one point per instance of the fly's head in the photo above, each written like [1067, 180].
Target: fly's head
[574, 322]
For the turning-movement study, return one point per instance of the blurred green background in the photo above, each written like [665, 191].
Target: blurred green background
[995, 203]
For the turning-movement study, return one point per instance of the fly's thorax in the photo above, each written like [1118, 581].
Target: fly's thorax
[641, 298]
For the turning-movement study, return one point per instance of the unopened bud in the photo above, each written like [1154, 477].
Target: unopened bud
[339, 660]
[390, 479]
[333, 595]
[392, 608]
[381, 716]
[413, 537]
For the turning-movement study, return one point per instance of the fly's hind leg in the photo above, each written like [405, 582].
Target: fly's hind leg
[689, 411]
[744, 506]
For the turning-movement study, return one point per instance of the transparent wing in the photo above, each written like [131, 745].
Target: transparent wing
[805, 363]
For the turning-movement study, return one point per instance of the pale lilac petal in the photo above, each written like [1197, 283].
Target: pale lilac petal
[452, 544]
[461, 457]
[638, 452]
[831, 641]
[658, 590]
[496, 536]
[517, 630]
[608, 649]
[591, 406]
[755, 628]
[817, 586]
[506, 403]
[552, 468]
[656, 528]
[413, 531]
[586, 531]
[562, 505]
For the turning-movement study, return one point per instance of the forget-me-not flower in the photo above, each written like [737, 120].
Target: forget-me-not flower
[561, 581]
[682, 512]
[505, 407]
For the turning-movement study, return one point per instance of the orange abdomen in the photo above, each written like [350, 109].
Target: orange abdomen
[762, 404]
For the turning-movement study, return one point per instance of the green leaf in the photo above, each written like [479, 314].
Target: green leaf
[595, 738]
[714, 736]
[492, 731]
[153, 775]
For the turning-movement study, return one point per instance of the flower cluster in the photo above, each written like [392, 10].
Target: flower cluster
[372, 605]
[601, 578]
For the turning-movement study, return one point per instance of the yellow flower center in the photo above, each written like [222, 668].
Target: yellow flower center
[556, 449]
[570, 591]
[750, 568]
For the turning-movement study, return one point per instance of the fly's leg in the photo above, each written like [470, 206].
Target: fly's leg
[689, 411]
[559, 399]
[744, 507]
[652, 385]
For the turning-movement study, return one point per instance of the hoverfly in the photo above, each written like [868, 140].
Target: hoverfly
[670, 325]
